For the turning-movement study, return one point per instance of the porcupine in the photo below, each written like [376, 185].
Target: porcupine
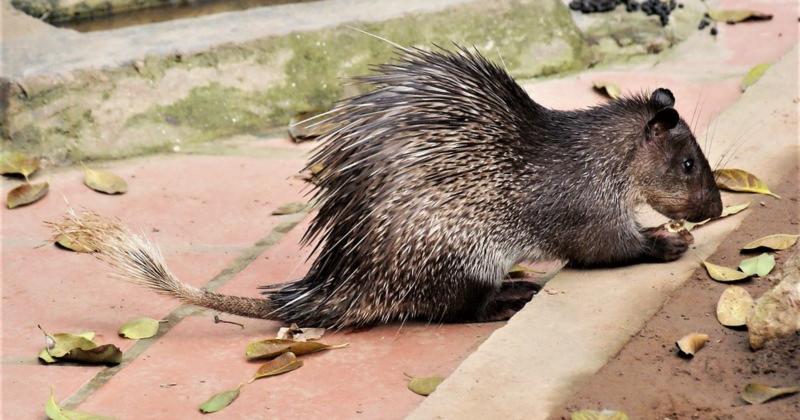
[446, 174]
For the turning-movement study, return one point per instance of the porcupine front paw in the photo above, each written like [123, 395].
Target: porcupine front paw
[663, 245]
[507, 301]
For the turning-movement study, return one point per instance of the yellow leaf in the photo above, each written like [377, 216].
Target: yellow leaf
[734, 306]
[608, 89]
[18, 163]
[723, 274]
[55, 412]
[104, 181]
[424, 386]
[286, 362]
[219, 401]
[759, 393]
[753, 75]
[691, 344]
[139, 328]
[598, 415]
[777, 242]
[742, 181]
[26, 194]
[737, 15]
[73, 242]
[731, 210]
[271, 347]
[290, 208]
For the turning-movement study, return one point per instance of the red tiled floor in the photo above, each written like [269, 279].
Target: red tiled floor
[366, 377]
[221, 200]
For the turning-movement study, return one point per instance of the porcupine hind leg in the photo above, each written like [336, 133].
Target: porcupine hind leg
[512, 296]
[481, 303]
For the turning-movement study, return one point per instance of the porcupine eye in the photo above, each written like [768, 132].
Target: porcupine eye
[688, 164]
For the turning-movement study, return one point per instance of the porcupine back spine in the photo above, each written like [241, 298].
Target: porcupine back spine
[431, 122]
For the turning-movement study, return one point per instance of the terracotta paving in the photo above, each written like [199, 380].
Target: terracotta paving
[208, 210]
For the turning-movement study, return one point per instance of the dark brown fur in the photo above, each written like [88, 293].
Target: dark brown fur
[447, 173]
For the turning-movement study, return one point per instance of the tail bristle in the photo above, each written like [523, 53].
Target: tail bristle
[135, 259]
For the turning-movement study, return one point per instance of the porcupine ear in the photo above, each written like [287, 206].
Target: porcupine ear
[664, 120]
[662, 98]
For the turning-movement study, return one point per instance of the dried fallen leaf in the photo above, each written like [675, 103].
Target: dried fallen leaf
[219, 401]
[290, 208]
[139, 328]
[73, 242]
[60, 344]
[723, 274]
[78, 348]
[304, 127]
[734, 306]
[690, 344]
[759, 393]
[753, 75]
[424, 386]
[104, 181]
[598, 415]
[286, 362]
[760, 265]
[742, 181]
[26, 194]
[731, 210]
[521, 271]
[608, 89]
[18, 163]
[271, 347]
[293, 332]
[737, 15]
[106, 354]
[776, 242]
[679, 225]
[55, 412]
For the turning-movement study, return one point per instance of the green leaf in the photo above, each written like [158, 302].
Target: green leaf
[139, 328]
[26, 194]
[286, 362]
[760, 265]
[759, 393]
[777, 242]
[424, 386]
[104, 181]
[608, 89]
[723, 274]
[742, 181]
[753, 75]
[598, 415]
[55, 412]
[219, 401]
[737, 15]
[290, 208]
[271, 347]
[18, 163]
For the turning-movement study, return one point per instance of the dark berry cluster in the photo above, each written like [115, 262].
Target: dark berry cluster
[660, 8]
[708, 21]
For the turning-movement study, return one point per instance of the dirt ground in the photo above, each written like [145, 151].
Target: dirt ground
[647, 380]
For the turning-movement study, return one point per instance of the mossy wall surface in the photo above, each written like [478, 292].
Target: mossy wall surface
[163, 103]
